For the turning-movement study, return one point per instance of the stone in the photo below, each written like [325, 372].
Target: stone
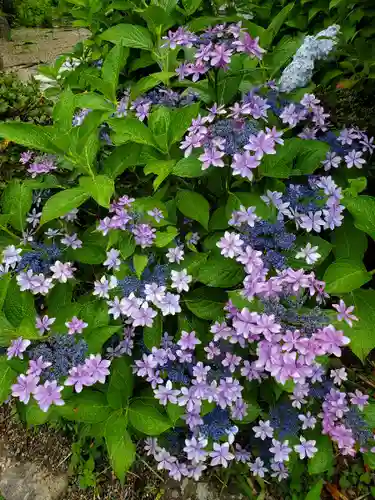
[28, 481]
[188, 489]
[4, 28]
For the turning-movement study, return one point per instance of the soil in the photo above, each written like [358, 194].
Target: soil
[30, 47]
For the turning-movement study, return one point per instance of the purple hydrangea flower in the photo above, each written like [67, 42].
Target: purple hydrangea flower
[17, 348]
[25, 386]
[48, 394]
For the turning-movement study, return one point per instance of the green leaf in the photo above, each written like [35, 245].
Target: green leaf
[206, 303]
[309, 156]
[4, 284]
[146, 417]
[130, 130]
[58, 297]
[344, 276]
[88, 254]
[18, 305]
[149, 82]
[126, 245]
[64, 110]
[194, 206]
[221, 272]
[7, 378]
[362, 209]
[88, 406]
[188, 167]
[121, 449]
[93, 100]
[29, 135]
[162, 168]
[235, 200]
[252, 412]
[152, 335]
[100, 187]
[139, 262]
[159, 123]
[349, 242]
[16, 201]
[175, 412]
[369, 414]
[61, 203]
[277, 22]
[180, 121]
[97, 337]
[362, 332]
[191, 6]
[323, 458]
[121, 158]
[129, 35]
[324, 249]
[115, 60]
[315, 491]
[36, 416]
[120, 387]
[279, 165]
[163, 238]
[156, 18]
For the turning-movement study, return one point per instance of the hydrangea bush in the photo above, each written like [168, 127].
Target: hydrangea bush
[175, 267]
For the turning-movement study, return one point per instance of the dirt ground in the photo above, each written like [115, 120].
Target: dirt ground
[30, 47]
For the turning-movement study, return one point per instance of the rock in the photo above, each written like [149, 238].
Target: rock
[28, 481]
[188, 489]
[4, 28]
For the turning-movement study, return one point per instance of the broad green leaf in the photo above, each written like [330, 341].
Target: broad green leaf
[162, 168]
[145, 416]
[93, 312]
[7, 378]
[4, 284]
[152, 335]
[309, 156]
[323, 458]
[126, 245]
[88, 406]
[206, 303]
[18, 305]
[130, 130]
[362, 332]
[16, 201]
[369, 414]
[7, 331]
[344, 276]
[29, 135]
[282, 53]
[163, 238]
[88, 254]
[194, 206]
[349, 242]
[180, 121]
[159, 123]
[150, 81]
[63, 202]
[120, 159]
[121, 449]
[315, 491]
[129, 35]
[115, 60]
[188, 167]
[92, 100]
[175, 412]
[157, 19]
[279, 165]
[362, 209]
[219, 219]
[221, 272]
[36, 416]
[58, 297]
[239, 300]
[191, 5]
[100, 187]
[97, 337]
[277, 22]
[120, 387]
[64, 110]
[139, 262]
[252, 412]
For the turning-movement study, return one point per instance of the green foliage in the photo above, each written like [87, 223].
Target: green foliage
[33, 13]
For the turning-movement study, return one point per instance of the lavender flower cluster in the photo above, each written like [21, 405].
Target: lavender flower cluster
[251, 346]
[162, 96]
[38, 164]
[215, 48]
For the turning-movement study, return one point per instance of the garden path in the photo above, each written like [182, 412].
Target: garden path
[30, 47]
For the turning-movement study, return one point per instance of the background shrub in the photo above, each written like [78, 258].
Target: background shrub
[34, 12]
